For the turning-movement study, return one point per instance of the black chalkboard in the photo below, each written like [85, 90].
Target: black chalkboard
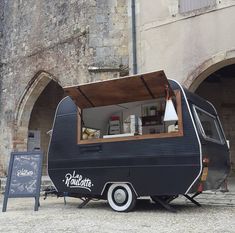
[24, 177]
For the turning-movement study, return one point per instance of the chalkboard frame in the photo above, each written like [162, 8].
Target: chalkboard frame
[36, 195]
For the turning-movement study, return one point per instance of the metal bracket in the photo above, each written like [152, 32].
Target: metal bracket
[50, 190]
[165, 205]
[85, 202]
[192, 200]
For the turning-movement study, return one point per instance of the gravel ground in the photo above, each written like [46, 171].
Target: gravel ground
[54, 216]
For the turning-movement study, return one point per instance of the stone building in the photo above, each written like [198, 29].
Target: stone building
[47, 45]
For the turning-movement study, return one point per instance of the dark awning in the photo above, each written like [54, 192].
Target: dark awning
[122, 90]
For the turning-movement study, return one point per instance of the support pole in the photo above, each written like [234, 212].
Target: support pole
[134, 47]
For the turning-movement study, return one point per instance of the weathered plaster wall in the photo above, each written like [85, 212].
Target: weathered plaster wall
[189, 47]
[63, 38]
[179, 44]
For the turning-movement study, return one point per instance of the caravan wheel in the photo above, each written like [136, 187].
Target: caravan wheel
[121, 198]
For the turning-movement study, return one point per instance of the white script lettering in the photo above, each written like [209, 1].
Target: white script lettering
[77, 181]
[23, 172]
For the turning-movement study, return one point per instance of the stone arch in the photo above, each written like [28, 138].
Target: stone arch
[208, 67]
[25, 106]
[214, 80]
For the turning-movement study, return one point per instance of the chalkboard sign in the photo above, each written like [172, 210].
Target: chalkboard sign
[24, 177]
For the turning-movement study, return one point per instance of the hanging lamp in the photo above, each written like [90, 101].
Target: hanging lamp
[170, 113]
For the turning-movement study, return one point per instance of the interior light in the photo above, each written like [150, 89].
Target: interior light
[170, 113]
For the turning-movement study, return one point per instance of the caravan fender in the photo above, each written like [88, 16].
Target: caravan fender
[118, 182]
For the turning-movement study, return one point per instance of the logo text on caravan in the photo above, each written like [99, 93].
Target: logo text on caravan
[77, 181]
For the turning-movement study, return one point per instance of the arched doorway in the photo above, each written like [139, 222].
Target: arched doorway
[219, 89]
[35, 113]
[41, 119]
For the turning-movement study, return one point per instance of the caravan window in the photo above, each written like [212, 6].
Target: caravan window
[128, 121]
[208, 125]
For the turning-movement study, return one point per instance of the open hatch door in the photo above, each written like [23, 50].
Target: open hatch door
[122, 90]
[128, 108]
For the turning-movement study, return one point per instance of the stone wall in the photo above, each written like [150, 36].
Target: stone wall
[1, 48]
[1, 21]
[64, 38]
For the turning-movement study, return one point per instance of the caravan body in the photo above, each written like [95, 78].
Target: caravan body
[191, 158]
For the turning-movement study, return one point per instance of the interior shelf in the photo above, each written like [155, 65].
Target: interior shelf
[152, 120]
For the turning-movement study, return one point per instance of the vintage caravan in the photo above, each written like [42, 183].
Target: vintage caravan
[136, 136]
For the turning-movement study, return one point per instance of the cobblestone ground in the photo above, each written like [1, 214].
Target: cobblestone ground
[217, 214]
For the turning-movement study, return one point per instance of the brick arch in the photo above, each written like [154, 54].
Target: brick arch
[208, 67]
[25, 106]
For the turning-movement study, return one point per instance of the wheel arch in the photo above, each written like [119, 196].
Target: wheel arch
[107, 185]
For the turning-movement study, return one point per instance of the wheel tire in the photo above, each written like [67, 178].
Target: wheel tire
[121, 198]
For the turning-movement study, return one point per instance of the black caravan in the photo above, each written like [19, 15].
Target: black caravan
[114, 140]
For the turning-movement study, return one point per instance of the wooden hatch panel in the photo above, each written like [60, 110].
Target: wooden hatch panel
[121, 90]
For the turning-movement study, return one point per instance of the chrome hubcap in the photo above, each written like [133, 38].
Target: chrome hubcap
[120, 196]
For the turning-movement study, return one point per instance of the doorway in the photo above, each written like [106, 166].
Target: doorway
[41, 119]
[218, 88]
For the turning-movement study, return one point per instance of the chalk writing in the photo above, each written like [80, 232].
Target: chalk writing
[24, 172]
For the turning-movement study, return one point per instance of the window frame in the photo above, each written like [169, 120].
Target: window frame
[217, 125]
[192, 9]
[135, 137]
